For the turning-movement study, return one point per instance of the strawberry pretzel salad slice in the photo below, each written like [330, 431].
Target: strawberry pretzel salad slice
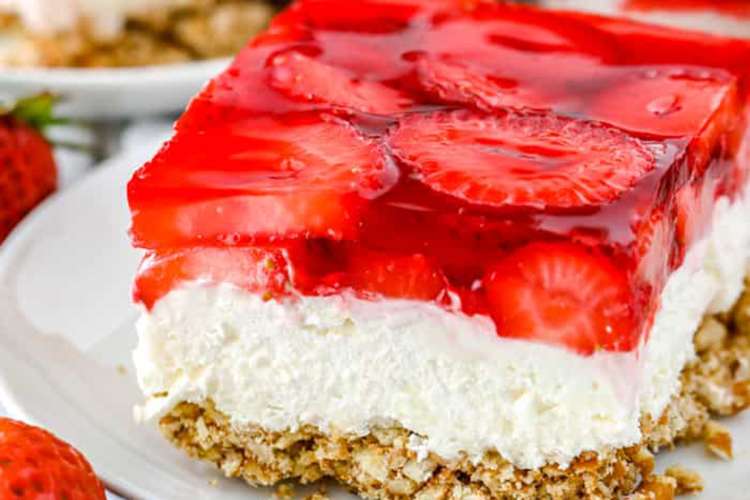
[451, 249]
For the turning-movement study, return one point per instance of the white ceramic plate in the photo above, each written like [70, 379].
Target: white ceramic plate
[114, 93]
[66, 325]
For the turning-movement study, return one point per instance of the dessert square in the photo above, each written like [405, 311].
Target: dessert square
[439, 249]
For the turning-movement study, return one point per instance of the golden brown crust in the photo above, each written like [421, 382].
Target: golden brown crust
[202, 30]
[688, 482]
[381, 466]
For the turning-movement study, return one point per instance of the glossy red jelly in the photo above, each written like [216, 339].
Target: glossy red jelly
[547, 170]
[736, 8]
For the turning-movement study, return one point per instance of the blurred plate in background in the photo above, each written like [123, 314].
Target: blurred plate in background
[100, 94]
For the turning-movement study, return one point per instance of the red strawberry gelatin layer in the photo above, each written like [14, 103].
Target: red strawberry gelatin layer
[737, 8]
[539, 168]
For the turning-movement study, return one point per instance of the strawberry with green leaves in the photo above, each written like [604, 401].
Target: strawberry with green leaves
[27, 167]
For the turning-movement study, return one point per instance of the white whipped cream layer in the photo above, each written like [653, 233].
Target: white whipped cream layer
[350, 364]
[105, 17]
[711, 21]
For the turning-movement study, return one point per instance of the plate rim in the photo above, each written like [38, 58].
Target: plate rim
[61, 76]
[10, 249]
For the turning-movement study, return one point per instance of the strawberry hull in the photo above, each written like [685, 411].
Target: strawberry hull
[456, 153]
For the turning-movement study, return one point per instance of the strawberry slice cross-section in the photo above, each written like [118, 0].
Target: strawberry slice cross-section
[457, 83]
[562, 294]
[258, 179]
[377, 16]
[305, 78]
[524, 160]
[401, 276]
[254, 269]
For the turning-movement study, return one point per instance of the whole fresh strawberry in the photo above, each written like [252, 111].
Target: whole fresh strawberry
[27, 167]
[36, 465]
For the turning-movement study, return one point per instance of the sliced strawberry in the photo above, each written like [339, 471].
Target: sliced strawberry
[562, 294]
[253, 269]
[457, 83]
[505, 35]
[654, 246]
[694, 203]
[529, 54]
[370, 58]
[405, 277]
[375, 16]
[306, 78]
[257, 179]
[687, 202]
[740, 171]
[533, 160]
[665, 103]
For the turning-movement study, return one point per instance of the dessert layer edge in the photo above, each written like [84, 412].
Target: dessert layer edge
[346, 363]
[379, 464]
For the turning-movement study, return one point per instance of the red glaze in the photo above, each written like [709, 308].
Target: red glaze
[737, 8]
[493, 159]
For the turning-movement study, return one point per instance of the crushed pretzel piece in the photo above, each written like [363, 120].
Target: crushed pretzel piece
[658, 488]
[711, 334]
[284, 491]
[688, 481]
[718, 440]
[644, 460]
